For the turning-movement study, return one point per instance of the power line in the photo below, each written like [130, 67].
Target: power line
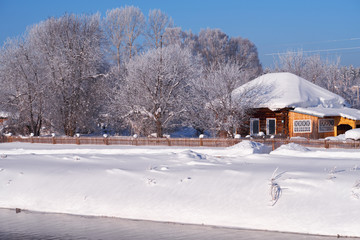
[313, 51]
[318, 42]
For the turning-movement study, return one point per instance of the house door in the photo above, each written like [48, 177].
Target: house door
[270, 126]
[254, 126]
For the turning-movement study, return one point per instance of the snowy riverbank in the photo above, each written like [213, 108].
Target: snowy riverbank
[318, 189]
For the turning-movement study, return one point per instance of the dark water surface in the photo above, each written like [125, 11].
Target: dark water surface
[34, 225]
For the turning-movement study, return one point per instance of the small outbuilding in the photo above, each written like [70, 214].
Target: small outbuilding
[3, 117]
[290, 106]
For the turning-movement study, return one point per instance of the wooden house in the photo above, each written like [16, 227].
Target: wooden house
[291, 106]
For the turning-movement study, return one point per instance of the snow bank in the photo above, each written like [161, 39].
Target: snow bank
[289, 149]
[353, 134]
[340, 137]
[248, 147]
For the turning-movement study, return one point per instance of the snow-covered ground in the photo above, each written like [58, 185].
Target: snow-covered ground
[292, 189]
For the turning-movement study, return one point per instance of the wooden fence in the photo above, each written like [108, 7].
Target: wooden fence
[187, 142]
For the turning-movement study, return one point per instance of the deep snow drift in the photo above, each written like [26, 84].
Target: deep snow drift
[292, 189]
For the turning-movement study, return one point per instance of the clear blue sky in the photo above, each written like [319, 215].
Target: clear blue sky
[273, 25]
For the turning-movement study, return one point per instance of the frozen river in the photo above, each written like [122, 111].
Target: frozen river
[33, 225]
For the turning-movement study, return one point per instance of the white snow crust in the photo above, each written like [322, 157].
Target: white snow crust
[318, 190]
[281, 90]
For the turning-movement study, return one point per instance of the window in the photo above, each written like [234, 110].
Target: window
[270, 126]
[254, 126]
[326, 125]
[302, 126]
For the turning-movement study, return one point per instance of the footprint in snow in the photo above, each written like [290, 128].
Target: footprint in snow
[185, 179]
[158, 168]
[151, 181]
[356, 190]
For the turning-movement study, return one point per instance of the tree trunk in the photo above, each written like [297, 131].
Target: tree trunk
[159, 128]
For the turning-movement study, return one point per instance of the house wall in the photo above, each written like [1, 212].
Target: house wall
[262, 114]
[315, 134]
[285, 123]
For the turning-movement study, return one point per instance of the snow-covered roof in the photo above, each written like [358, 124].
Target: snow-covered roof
[321, 112]
[281, 90]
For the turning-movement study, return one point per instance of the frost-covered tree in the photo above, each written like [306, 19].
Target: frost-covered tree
[243, 53]
[123, 26]
[323, 72]
[212, 46]
[215, 47]
[217, 108]
[293, 62]
[156, 91]
[351, 84]
[173, 36]
[71, 48]
[23, 82]
[158, 22]
[114, 29]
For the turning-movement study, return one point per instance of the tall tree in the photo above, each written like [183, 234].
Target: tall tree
[156, 88]
[212, 45]
[158, 22]
[217, 108]
[123, 26]
[71, 47]
[243, 53]
[23, 82]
